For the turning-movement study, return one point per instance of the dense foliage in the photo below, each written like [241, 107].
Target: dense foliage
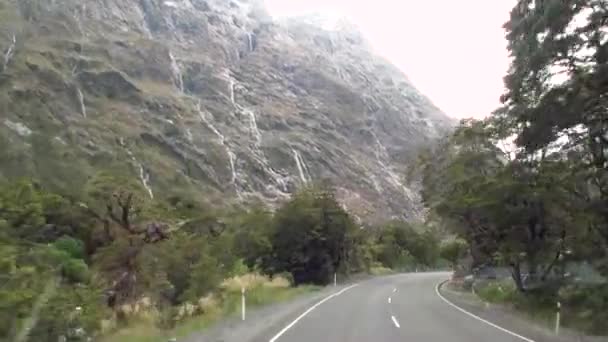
[527, 188]
[74, 265]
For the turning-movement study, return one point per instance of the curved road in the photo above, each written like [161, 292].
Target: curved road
[396, 308]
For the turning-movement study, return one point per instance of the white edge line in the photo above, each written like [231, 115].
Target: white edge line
[280, 333]
[479, 318]
[395, 322]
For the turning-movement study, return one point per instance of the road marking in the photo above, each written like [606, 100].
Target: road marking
[389, 300]
[394, 290]
[395, 322]
[479, 318]
[280, 333]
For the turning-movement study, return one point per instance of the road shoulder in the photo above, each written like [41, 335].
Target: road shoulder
[261, 323]
[509, 319]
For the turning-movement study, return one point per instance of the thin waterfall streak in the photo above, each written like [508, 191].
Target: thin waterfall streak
[83, 108]
[177, 72]
[298, 159]
[144, 176]
[9, 53]
[232, 92]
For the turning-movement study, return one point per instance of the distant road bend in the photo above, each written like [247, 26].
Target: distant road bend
[396, 308]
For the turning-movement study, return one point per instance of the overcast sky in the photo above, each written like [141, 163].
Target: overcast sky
[453, 51]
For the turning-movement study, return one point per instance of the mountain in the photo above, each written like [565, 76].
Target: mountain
[209, 97]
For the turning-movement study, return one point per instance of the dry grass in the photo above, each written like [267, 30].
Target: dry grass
[251, 281]
[261, 290]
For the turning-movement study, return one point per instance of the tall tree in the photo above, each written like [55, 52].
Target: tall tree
[557, 89]
[313, 237]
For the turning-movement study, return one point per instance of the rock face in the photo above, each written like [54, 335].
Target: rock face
[213, 96]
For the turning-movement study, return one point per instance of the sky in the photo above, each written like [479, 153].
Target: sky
[453, 51]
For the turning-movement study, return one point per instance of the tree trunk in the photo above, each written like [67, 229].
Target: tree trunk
[516, 274]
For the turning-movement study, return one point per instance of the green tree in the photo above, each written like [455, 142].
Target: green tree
[401, 246]
[453, 250]
[556, 90]
[313, 237]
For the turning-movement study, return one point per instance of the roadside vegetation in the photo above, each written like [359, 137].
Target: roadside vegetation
[107, 260]
[527, 188]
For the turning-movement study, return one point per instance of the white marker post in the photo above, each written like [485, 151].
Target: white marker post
[335, 279]
[557, 318]
[243, 303]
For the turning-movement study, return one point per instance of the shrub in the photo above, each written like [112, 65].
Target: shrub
[75, 271]
[73, 247]
[497, 292]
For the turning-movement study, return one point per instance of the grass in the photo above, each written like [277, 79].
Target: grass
[583, 309]
[497, 292]
[260, 291]
[380, 271]
[533, 305]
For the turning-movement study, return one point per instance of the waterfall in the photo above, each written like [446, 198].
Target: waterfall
[9, 53]
[77, 18]
[231, 155]
[209, 124]
[189, 135]
[144, 176]
[83, 108]
[232, 91]
[177, 72]
[302, 169]
[232, 158]
[380, 150]
[145, 180]
[250, 40]
[393, 178]
[253, 126]
[279, 179]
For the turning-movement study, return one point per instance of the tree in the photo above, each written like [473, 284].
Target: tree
[252, 240]
[119, 209]
[556, 90]
[513, 211]
[453, 250]
[312, 237]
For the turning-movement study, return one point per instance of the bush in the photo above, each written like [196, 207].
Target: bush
[585, 308]
[497, 292]
[453, 250]
[73, 247]
[75, 271]
[380, 270]
[310, 236]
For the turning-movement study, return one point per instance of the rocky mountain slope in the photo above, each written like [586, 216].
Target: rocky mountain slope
[213, 97]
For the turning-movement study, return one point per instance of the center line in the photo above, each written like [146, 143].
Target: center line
[395, 322]
[389, 300]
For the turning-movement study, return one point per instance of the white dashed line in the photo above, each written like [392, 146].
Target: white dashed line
[389, 300]
[395, 322]
[394, 290]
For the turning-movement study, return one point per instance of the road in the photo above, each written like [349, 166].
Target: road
[396, 308]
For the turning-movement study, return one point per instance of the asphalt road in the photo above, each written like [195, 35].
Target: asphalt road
[396, 308]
